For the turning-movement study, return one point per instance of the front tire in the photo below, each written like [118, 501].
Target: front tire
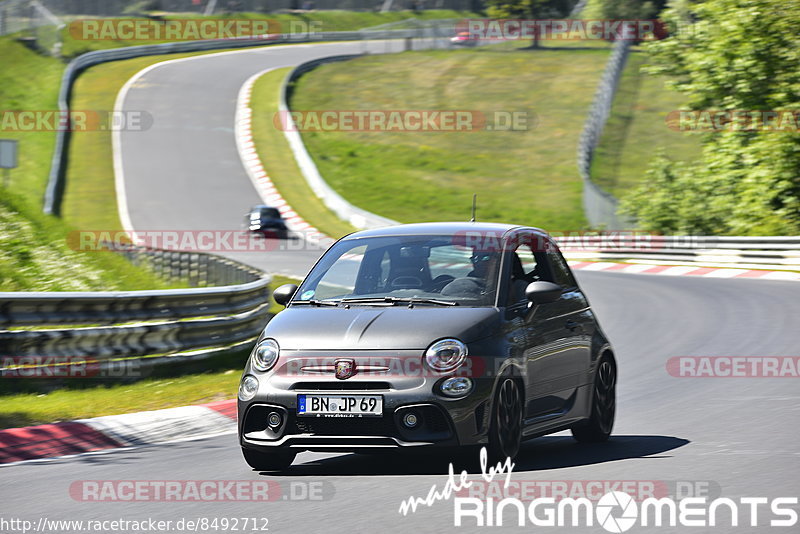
[268, 461]
[505, 431]
[598, 427]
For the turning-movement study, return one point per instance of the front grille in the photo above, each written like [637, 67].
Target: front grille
[344, 385]
[435, 420]
[343, 426]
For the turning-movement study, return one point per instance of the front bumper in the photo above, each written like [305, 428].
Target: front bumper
[443, 422]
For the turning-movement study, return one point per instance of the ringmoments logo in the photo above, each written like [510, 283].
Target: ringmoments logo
[615, 511]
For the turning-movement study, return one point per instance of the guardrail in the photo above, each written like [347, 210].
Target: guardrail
[127, 324]
[55, 185]
[600, 206]
[775, 253]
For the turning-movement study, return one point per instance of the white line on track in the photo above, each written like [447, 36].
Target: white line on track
[116, 137]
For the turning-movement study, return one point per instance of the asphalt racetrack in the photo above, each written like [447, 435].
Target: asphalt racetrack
[729, 437]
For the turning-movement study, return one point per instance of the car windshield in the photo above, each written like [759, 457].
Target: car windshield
[425, 270]
[265, 213]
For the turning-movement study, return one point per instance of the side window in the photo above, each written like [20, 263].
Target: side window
[528, 261]
[524, 270]
[561, 272]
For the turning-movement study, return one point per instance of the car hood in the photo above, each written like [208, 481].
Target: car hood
[378, 328]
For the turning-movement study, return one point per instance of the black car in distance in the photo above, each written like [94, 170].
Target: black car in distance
[267, 221]
[428, 335]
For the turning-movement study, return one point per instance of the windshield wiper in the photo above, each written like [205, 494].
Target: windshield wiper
[315, 302]
[402, 300]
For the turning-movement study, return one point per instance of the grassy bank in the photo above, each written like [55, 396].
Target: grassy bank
[527, 176]
[279, 162]
[27, 409]
[636, 130]
[35, 256]
[29, 81]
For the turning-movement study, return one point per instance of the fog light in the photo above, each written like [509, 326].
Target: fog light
[456, 386]
[248, 388]
[410, 420]
[274, 420]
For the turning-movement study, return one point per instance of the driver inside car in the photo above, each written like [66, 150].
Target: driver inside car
[481, 278]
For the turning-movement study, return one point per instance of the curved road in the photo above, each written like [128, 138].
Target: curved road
[738, 437]
[184, 173]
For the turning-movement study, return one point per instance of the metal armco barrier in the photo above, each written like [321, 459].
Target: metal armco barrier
[599, 206]
[779, 253]
[135, 340]
[140, 323]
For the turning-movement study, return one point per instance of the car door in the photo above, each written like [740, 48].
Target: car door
[571, 317]
[554, 336]
[536, 341]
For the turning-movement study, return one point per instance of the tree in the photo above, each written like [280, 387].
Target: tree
[529, 9]
[623, 9]
[735, 55]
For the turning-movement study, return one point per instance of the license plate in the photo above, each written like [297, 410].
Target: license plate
[340, 405]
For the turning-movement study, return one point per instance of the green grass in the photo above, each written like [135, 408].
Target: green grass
[35, 252]
[29, 81]
[24, 409]
[636, 130]
[279, 162]
[527, 177]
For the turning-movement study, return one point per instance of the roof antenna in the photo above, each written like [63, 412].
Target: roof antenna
[474, 198]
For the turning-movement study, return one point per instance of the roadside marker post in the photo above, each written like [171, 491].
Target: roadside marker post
[8, 158]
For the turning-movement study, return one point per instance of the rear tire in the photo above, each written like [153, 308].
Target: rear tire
[268, 461]
[599, 425]
[505, 431]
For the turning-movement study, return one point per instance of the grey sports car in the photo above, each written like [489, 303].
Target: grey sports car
[428, 335]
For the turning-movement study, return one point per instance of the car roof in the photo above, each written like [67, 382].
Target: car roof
[441, 228]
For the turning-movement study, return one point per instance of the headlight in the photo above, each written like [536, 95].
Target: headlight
[265, 354]
[248, 387]
[446, 355]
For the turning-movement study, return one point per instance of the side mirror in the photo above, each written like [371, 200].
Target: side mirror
[542, 292]
[283, 293]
